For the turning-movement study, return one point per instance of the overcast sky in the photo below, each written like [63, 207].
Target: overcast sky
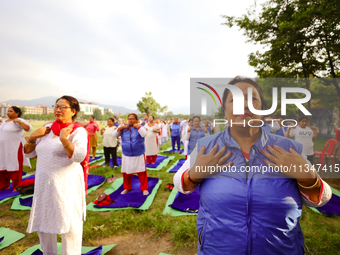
[114, 51]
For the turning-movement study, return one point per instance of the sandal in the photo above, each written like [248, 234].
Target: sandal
[167, 186]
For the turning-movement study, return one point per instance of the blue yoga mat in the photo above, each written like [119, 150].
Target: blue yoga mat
[119, 162]
[187, 202]
[159, 160]
[96, 251]
[9, 192]
[178, 166]
[93, 180]
[134, 198]
[1, 239]
[95, 158]
[174, 151]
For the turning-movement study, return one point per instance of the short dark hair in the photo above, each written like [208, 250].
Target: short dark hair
[196, 117]
[302, 117]
[73, 102]
[111, 119]
[17, 110]
[238, 79]
[134, 115]
[152, 117]
[92, 116]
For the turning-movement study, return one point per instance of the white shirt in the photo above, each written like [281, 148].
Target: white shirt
[304, 136]
[11, 135]
[108, 139]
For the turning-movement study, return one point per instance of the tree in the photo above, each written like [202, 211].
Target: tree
[98, 114]
[303, 38]
[149, 106]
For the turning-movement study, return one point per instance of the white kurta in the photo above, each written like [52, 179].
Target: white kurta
[108, 139]
[58, 180]
[165, 131]
[151, 140]
[11, 135]
[134, 164]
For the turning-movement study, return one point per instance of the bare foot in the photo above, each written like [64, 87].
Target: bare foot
[125, 191]
[145, 192]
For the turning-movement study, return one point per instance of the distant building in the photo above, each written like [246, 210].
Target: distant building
[108, 111]
[38, 109]
[88, 108]
[3, 109]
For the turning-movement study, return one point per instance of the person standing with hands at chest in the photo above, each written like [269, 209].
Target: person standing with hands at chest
[151, 140]
[59, 204]
[133, 153]
[12, 141]
[304, 135]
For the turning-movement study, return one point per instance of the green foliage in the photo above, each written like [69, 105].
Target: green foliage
[149, 106]
[97, 114]
[301, 38]
[49, 116]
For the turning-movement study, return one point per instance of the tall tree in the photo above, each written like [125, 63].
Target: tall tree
[149, 106]
[302, 38]
[98, 114]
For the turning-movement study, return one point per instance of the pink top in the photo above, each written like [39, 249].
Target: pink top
[92, 127]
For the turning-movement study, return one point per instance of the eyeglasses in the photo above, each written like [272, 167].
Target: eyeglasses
[61, 107]
[131, 119]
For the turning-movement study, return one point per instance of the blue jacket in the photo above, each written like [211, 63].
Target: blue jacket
[249, 215]
[175, 129]
[194, 136]
[280, 131]
[132, 142]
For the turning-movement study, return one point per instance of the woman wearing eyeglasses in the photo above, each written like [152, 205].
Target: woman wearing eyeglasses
[61, 179]
[11, 148]
[133, 156]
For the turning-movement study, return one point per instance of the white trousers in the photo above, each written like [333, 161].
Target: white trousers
[71, 241]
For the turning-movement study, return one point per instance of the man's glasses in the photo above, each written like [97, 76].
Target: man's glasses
[61, 107]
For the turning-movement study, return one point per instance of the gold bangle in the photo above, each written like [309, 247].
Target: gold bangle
[30, 143]
[313, 186]
[67, 145]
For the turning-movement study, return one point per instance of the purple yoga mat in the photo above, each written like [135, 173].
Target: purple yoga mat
[96, 251]
[134, 198]
[93, 180]
[9, 192]
[159, 160]
[1, 239]
[174, 151]
[178, 166]
[95, 158]
[119, 162]
[187, 202]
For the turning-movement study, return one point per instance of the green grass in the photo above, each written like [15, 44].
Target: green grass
[321, 232]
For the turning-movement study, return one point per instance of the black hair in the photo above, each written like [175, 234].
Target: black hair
[302, 117]
[134, 115]
[238, 79]
[196, 117]
[92, 116]
[17, 110]
[74, 104]
[111, 119]
[152, 117]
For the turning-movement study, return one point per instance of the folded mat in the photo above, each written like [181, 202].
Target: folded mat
[9, 237]
[136, 186]
[84, 249]
[8, 194]
[332, 207]
[161, 161]
[176, 166]
[187, 202]
[25, 202]
[96, 158]
[174, 212]
[134, 198]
